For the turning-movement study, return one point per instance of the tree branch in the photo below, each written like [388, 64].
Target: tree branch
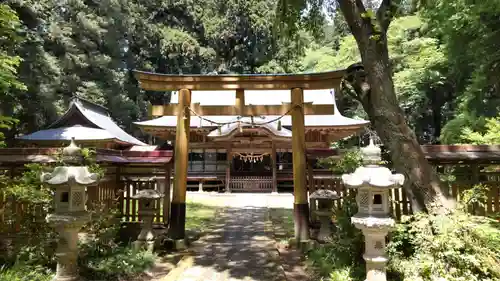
[386, 12]
[352, 11]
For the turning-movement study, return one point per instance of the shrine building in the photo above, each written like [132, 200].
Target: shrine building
[234, 152]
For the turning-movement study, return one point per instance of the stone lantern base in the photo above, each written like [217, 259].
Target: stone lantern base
[68, 226]
[325, 231]
[374, 230]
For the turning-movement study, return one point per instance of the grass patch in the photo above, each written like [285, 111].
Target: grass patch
[282, 221]
[199, 216]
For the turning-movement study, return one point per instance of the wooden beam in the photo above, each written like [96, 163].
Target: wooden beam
[229, 160]
[247, 110]
[166, 82]
[166, 195]
[273, 163]
[177, 229]
[240, 102]
[311, 188]
[301, 206]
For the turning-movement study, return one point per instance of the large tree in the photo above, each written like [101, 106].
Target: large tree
[420, 73]
[371, 83]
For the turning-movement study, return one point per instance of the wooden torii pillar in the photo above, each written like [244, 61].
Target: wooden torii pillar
[296, 83]
[300, 204]
[177, 229]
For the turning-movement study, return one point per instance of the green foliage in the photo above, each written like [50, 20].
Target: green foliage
[89, 48]
[9, 38]
[454, 247]
[89, 159]
[102, 257]
[6, 123]
[491, 134]
[119, 264]
[418, 64]
[475, 197]
[9, 26]
[24, 273]
[350, 160]
[468, 128]
[28, 187]
[341, 259]
[473, 67]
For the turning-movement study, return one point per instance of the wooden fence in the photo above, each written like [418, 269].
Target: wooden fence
[15, 214]
[401, 203]
[130, 207]
[251, 183]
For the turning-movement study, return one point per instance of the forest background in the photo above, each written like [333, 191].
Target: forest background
[445, 57]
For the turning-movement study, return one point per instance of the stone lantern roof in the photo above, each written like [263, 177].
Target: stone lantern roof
[80, 175]
[372, 175]
[324, 194]
[147, 194]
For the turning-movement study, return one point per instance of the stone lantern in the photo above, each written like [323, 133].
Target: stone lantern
[70, 213]
[373, 183]
[148, 202]
[325, 199]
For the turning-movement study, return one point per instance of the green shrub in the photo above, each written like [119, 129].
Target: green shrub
[350, 160]
[451, 247]
[475, 198]
[456, 247]
[25, 273]
[102, 257]
[341, 260]
[116, 264]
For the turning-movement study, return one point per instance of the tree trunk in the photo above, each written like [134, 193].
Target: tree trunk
[375, 91]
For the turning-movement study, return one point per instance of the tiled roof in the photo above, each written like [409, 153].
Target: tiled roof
[66, 133]
[95, 114]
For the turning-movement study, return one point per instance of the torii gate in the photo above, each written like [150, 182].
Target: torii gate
[296, 83]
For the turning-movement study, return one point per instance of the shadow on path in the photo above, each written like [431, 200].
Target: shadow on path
[237, 249]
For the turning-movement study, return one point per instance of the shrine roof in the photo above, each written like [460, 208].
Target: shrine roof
[229, 130]
[80, 133]
[334, 120]
[89, 115]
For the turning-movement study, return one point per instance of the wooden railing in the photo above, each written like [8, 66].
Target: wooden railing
[130, 206]
[14, 215]
[401, 203]
[251, 183]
